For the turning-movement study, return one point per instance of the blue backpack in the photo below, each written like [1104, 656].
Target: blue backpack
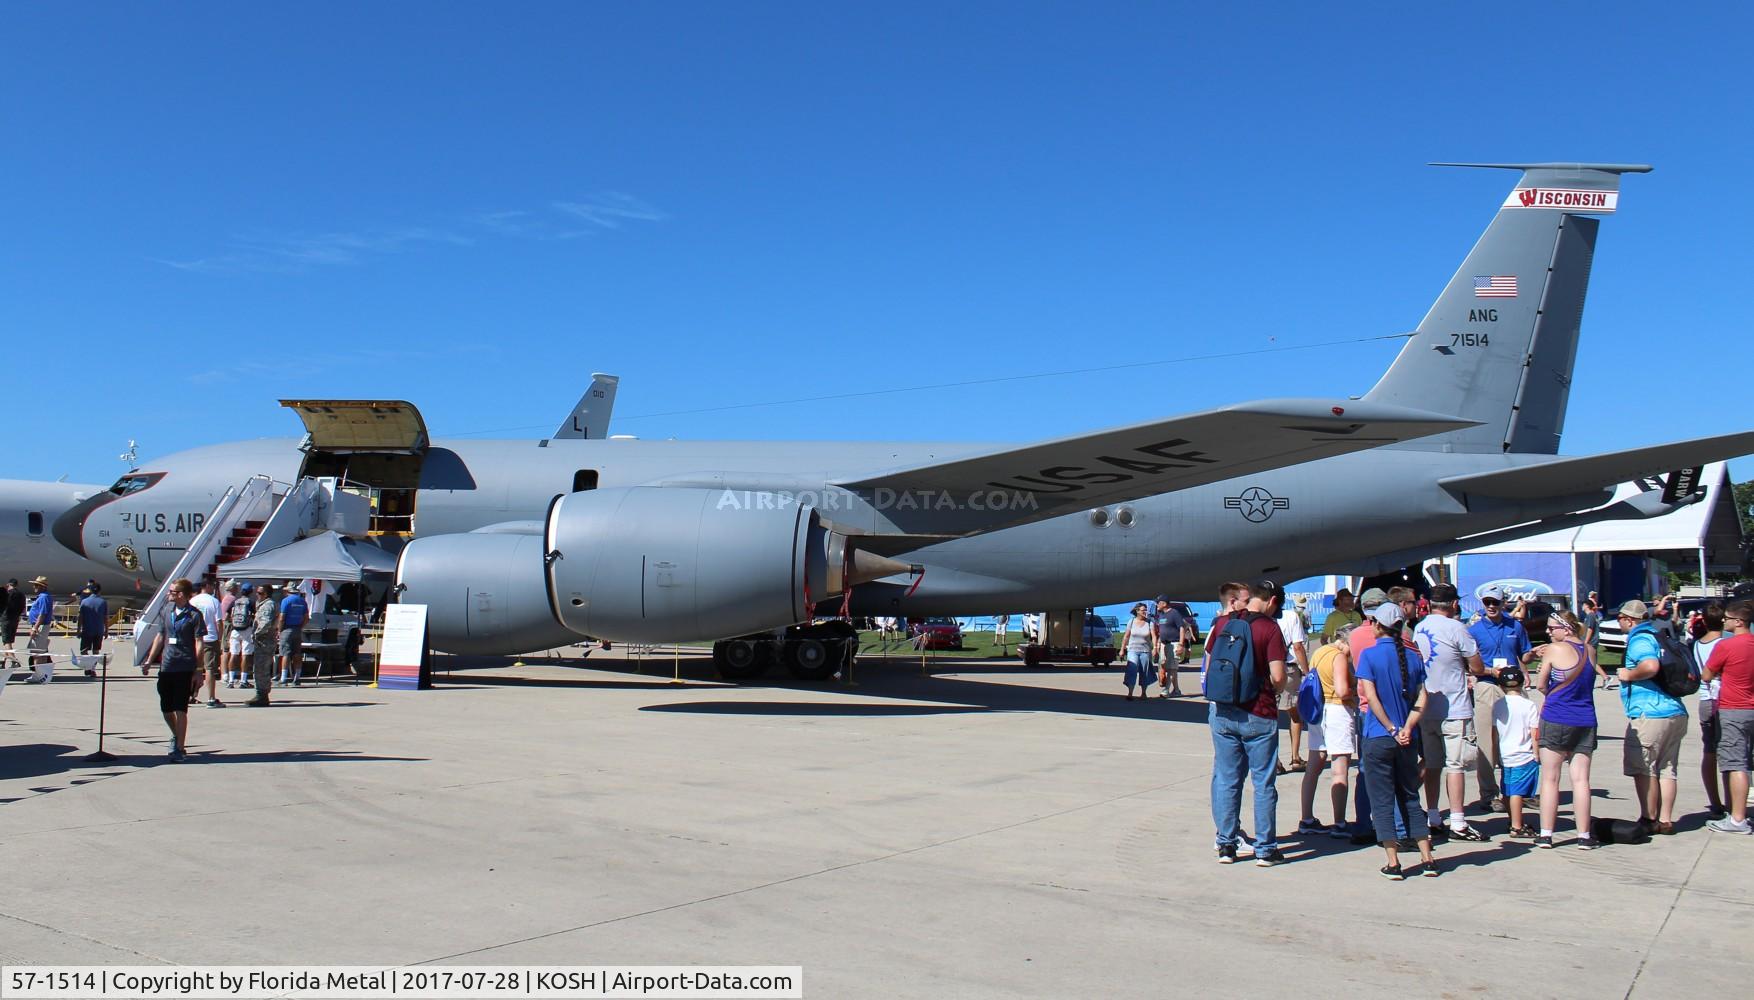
[1230, 673]
[1309, 698]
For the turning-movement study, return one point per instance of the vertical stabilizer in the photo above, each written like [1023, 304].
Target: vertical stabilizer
[1499, 343]
[590, 416]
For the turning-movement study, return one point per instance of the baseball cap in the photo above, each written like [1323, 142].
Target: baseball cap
[1266, 590]
[1511, 675]
[1388, 615]
[1372, 597]
[1634, 609]
[1443, 593]
[1160, 599]
[1493, 593]
[247, 588]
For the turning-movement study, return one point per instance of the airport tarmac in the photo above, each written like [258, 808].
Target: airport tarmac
[986, 831]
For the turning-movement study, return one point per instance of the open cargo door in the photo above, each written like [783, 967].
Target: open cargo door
[374, 447]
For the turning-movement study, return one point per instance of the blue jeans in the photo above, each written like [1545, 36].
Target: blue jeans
[1361, 815]
[1139, 666]
[1391, 771]
[1243, 744]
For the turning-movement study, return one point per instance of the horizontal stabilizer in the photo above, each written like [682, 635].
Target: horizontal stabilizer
[1571, 476]
[1158, 457]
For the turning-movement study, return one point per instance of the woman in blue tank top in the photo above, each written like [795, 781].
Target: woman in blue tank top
[1568, 728]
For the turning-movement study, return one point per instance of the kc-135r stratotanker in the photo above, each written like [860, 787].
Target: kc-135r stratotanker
[525, 545]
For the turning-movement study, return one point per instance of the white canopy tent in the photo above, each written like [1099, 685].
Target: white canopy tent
[326, 556]
[1707, 532]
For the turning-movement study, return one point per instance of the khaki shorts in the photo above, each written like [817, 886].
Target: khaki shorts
[1288, 694]
[210, 657]
[1653, 746]
[1451, 741]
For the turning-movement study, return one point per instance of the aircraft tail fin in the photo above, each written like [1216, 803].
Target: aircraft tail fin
[590, 415]
[1499, 343]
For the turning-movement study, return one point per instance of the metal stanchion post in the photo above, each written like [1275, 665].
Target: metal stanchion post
[677, 677]
[103, 693]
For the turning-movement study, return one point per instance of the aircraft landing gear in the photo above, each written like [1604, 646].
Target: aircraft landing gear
[742, 659]
[809, 652]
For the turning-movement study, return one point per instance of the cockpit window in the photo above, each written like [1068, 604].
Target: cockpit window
[134, 483]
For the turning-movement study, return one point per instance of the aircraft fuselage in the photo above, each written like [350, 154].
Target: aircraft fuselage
[1291, 522]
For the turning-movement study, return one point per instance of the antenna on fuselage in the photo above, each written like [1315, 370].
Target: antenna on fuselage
[132, 456]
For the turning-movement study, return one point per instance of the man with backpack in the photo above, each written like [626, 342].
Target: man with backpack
[1656, 719]
[1245, 667]
[240, 620]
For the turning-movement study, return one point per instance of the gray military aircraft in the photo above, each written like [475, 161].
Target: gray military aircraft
[27, 510]
[131, 573]
[524, 545]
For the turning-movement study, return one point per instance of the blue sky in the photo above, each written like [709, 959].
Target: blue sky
[211, 207]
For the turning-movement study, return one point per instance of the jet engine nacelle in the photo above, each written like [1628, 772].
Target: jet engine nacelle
[653, 564]
[485, 593]
[642, 564]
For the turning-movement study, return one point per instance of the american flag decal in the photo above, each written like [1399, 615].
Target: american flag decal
[1495, 286]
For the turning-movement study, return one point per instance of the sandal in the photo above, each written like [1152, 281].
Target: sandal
[1297, 764]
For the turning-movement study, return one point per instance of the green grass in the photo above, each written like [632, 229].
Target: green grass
[976, 646]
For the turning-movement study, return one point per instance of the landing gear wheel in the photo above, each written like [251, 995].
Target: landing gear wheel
[812, 659]
[740, 659]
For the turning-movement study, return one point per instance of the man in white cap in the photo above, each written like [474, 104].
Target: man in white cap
[1502, 642]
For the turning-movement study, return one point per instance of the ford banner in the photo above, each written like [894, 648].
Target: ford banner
[1522, 575]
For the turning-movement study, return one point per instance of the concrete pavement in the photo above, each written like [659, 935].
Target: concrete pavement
[986, 831]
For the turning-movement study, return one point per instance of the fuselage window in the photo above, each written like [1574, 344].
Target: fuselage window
[584, 479]
[33, 524]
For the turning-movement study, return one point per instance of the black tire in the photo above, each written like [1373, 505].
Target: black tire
[741, 659]
[811, 659]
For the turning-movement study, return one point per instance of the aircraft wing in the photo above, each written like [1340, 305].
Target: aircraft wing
[1568, 476]
[1129, 463]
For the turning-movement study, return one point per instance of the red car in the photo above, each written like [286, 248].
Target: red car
[939, 633]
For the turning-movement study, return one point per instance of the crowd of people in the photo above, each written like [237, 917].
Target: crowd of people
[1421, 700]
[224, 640]
[37, 614]
[247, 638]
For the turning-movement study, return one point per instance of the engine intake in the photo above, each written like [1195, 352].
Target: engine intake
[650, 564]
[484, 593]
